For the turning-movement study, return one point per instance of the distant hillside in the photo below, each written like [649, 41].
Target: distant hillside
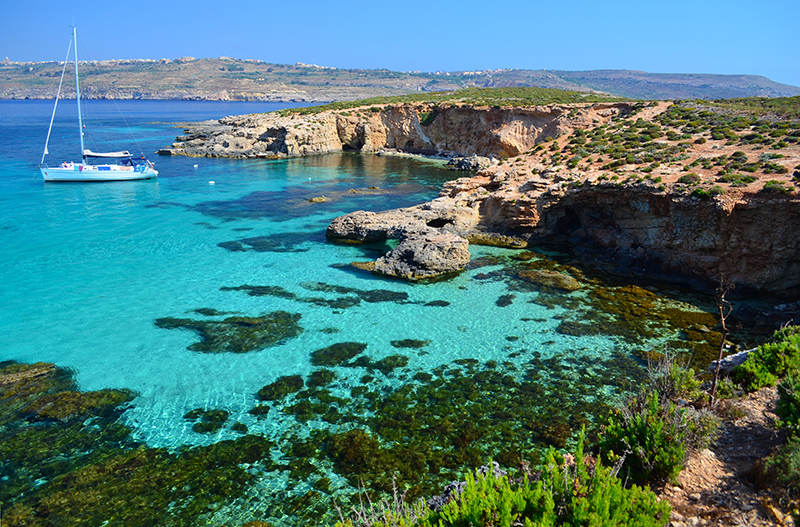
[249, 80]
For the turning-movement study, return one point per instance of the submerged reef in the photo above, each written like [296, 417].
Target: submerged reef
[67, 461]
[207, 420]
[350, 296]
[337, 354]
[238, 334]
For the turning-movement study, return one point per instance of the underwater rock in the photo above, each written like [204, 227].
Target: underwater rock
[336, 354]
[425, 255]
[547, 278]
[238, 334]
[364, 266]
[505, 300]
[438, 303]
[410, 343]
[321, 377]
[281, 388]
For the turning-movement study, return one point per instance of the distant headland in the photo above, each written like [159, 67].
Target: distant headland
[230, 79]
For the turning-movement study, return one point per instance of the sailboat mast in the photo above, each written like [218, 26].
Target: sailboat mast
[78, 87]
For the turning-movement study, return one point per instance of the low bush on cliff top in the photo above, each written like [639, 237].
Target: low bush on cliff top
[528, 96]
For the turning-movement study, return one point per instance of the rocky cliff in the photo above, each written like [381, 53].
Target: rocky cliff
[749, 239]
[696, 192]
[694, 207]
[445, 129]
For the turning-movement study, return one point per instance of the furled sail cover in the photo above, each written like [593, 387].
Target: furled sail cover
[112, 155]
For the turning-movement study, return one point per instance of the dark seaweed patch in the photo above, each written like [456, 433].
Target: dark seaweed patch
[209, 420]
[238, 334]
[337, 354]
[283, 242]
[282, 387]
[209, 312]
[410, 343]
[321, 377]
[505, 300]
[99, 471]
[438, 303]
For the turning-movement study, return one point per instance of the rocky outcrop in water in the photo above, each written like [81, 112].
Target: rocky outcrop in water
[425, 255]
[637, 229]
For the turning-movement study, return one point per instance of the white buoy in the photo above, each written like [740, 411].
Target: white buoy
[195, 166]
[212, 182]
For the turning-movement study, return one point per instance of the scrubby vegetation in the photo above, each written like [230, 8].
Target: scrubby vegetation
[568, 490]
[778, 362]
[468, 96]
[651, 432]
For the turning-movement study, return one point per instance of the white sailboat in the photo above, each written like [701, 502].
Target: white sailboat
[94, 166]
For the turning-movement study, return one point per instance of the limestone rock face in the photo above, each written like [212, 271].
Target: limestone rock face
[425, 255]
[416, 128]
[441, 214]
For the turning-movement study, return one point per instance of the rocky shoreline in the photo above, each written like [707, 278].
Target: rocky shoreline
[689, 218]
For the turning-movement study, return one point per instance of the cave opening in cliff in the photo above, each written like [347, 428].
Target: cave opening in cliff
[567, 224]
[438, 223]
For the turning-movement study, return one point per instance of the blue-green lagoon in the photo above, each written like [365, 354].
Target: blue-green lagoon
[219, 362]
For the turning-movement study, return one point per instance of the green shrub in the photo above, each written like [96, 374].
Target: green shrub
[566, 493]
[689, 179]
[784, 469]
[789, 402]
[771, 360]
[736, 180]
[716, 190]
[774, 185]
[647, 435]
[651, 432]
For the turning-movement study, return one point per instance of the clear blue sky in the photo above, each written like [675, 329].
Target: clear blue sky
[677, 36]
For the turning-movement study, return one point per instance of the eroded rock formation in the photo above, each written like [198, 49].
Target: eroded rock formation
[645, 194]
[749, 240]
[445, 129]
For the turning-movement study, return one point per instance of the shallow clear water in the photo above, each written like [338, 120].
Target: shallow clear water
[87, 269]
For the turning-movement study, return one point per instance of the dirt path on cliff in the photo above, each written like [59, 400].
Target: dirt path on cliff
[714, 488]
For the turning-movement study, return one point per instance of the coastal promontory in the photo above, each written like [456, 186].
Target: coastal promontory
[697, 192]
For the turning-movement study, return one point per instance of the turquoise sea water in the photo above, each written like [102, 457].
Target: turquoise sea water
[87, 269]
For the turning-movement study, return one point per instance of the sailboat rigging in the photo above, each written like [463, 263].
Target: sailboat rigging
[94, 166]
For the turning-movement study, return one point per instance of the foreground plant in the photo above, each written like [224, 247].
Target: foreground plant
[568, 491]
[651, 432]
[771, 360]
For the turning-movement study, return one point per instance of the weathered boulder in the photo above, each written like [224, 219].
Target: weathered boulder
[425, 255]
[441, 213]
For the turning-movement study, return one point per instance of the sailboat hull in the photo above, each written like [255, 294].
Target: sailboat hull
[97, 173]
